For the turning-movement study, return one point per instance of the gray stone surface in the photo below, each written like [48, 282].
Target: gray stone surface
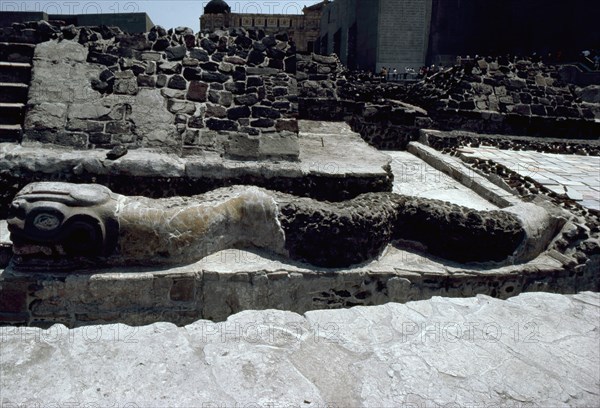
[325, 149]
[534, 350]
[413, 176]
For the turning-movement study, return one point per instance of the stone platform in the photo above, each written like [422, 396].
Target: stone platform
[533, 350]
[334, 164]
[231, 281]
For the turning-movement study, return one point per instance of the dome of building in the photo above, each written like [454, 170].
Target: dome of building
[217, 7]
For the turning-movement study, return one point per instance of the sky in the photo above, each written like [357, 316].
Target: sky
[162, 12]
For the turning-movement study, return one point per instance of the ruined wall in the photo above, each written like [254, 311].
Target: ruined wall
[228, 92]
[502, 96]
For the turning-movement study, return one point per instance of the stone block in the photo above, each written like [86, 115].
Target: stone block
[72, 139]
[262, 123]
[118, 127]
[280, 91]
[238, 87]
[289, 125]
[214, 77]
[196, 122]
[177, 106]
[169, 67]
[151, 56]
[173, 93]
[216, 111]
[256, 57]
[265, 112]
[99, 138]
[243, 145]
[238, 112]
[226, 67]
[175, 53]
[208, 45]
[148, 81]
[197, 91]
[235, 60]
[183, 289]
[522, 109]
[225, 98]
[101, 58]
[279, 145]
[221, 124]
[209, 66]
[177, 82]
[199, 54]
[161, 81]
[248, 100]
[126, 86]
[254, 81]
[46, 116]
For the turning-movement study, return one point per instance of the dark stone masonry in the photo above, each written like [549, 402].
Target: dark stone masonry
[232, 92]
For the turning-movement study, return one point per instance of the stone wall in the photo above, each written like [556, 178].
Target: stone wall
[329, 92]
[488, 96]
[229, 92]
[506, 97]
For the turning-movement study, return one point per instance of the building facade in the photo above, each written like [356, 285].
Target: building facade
[371, 34]
[303, 28]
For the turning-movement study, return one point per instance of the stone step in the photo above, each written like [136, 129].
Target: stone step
[16, 52]
[15, 72]
[10, 133]
[11, 113]
[10, 92]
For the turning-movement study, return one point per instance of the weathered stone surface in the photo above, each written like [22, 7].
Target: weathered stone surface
[248, 99]
[199, 54]
[177, 106]
[175, 53]
[590, 94]
[265, 112]
[177, 82]
[197, 91]
[46, 116]
[169, 67]
[477, 351]
[216, 111]
[221, 124]
[238, 112]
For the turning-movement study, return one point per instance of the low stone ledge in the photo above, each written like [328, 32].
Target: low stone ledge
[232, 281]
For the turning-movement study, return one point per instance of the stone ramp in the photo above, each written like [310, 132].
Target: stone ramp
[534, 350]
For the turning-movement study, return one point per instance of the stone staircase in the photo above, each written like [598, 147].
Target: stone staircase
[15, 76]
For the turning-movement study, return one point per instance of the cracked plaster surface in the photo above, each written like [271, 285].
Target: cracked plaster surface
[533, 350]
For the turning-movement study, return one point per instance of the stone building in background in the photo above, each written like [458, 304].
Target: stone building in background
[371, 34]
[303, 28]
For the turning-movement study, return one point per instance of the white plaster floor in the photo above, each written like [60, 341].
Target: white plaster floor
[414, 177]
[533, 350]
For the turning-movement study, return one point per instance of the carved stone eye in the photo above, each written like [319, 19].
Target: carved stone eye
[46, 222]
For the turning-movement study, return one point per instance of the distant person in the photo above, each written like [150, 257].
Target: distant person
[395, 74]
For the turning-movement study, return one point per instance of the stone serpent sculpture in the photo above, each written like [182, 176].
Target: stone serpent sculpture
[56, 225]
